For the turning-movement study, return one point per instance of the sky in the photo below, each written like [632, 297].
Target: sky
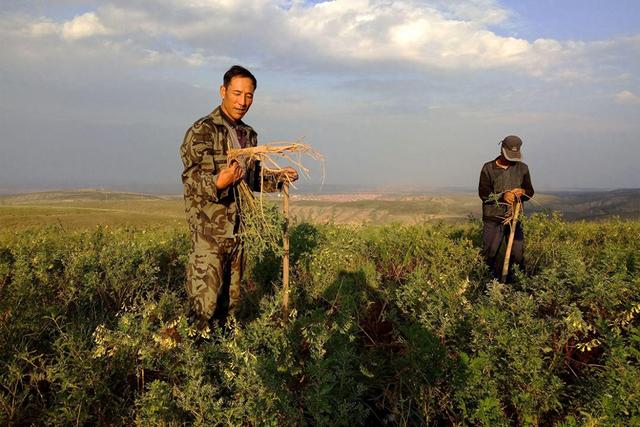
[397, 95]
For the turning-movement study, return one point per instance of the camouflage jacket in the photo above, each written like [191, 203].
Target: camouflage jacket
[204, 155]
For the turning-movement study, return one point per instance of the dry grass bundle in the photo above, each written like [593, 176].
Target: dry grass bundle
[262, 227]
[292, 152]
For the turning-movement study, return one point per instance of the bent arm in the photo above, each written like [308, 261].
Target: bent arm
[526, 186]
[485, 187]
[200, 170]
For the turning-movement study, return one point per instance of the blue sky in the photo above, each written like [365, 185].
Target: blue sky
[586, 20]
[397, 94]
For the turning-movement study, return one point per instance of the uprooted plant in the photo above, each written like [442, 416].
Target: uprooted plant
[261, 224]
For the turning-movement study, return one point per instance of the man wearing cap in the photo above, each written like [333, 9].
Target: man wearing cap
[503, 181]
[216, 260]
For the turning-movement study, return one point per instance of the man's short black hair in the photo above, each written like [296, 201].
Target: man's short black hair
[238, 71]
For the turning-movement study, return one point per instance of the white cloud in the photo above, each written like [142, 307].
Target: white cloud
[356, 34]
[83, 26]
[626, 97]
[449, 37]
[386, 63]
[481, 11]
[43, 28]
[434, 35]
[196, 59]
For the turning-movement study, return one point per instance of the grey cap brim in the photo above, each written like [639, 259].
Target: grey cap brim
[512, 156]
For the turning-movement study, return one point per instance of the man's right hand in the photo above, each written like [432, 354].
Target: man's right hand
[229, 176]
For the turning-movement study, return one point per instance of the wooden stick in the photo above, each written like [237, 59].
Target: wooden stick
[285, 244]
[512, 232]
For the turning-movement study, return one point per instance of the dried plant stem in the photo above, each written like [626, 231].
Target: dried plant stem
[257, 225]
[285, 246]
[261, 229]
[266, 154]
[512, 232]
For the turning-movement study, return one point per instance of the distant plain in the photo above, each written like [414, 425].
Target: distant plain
[77, 209]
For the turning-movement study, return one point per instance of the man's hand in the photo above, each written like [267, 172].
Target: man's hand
[518, 192]
[229, 176]
[288, 174]
[511, 195]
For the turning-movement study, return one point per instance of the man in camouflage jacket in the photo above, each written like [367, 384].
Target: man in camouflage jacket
[216, 261]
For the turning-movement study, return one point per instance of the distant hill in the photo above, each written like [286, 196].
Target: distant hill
[87, 207]
[70, 196]
[624, 203]
[81, 209]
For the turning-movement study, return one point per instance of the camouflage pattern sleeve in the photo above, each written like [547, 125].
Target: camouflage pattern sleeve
[200, 170]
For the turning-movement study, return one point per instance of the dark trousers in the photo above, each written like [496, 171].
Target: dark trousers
[493, 233]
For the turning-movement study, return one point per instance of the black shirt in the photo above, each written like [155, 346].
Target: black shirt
[496, 180]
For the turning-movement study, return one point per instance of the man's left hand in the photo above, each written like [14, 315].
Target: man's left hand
[519, 192]
[288, 174]
[512, 195]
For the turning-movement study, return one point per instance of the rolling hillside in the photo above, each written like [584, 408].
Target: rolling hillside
[87, 208]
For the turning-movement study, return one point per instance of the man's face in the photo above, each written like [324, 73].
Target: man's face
[237, 97]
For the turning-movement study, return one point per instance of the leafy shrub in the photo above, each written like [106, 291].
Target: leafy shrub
[393, 325]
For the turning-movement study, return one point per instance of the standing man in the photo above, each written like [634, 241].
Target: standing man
[503, 181]
[216, 260]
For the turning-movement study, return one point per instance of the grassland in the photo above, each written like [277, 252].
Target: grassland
[88, 208]
[78, 209]
[388, 325]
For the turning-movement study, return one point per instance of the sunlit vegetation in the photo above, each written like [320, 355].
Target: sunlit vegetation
[397, 325]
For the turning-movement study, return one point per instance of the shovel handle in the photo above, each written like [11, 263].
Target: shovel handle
[512, 232]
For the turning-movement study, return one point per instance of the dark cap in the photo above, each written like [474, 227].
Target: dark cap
[511, 148]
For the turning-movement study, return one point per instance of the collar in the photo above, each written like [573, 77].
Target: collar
[219, 117]
[228, 119]
[496, 166]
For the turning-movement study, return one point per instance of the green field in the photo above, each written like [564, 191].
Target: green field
[388, 325]
[88, 208]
